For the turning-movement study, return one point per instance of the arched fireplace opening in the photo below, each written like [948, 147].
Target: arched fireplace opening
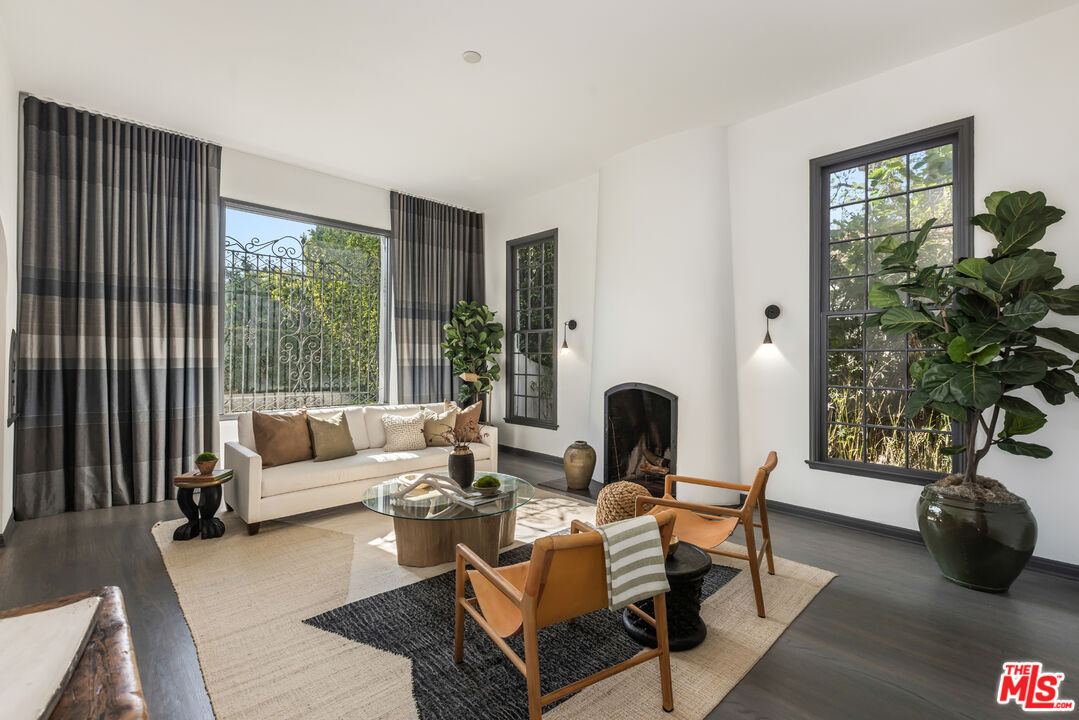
[640, 435]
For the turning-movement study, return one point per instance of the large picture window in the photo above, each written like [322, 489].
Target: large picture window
[302, 310]
[860, 382]
[532, 291]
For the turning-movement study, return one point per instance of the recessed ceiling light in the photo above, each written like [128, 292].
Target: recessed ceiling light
[471, 56]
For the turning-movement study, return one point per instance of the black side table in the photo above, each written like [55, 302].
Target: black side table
[207, 526]
[686, 567]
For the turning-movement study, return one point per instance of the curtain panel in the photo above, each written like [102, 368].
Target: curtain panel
[118, 310]
[437, 261]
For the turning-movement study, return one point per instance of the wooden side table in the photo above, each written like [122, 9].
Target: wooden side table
[207, 526]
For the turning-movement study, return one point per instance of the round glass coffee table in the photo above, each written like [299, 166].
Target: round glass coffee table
[428, 524]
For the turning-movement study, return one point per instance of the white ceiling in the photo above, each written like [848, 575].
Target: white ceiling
[376, 90]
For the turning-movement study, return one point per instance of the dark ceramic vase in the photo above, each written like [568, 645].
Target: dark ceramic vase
[462, 467]
[980, 545]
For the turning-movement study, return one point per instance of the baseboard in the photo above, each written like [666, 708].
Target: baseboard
[6, 530]
[1060, 569]
[1054, 567]
[529, 454]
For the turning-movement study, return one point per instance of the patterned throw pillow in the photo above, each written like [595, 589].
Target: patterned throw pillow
[404, 432]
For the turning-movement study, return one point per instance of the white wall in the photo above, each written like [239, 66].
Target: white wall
[572, 209]
[9, 200]
[1021, 87]
[664, 313]
[288, 187]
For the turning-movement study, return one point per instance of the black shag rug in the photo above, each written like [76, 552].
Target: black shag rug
[416, 621]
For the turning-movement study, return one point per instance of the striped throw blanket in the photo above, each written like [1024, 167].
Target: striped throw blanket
[634, 557]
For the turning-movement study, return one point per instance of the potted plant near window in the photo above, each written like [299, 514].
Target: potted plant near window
[984, 350]
[473, 340]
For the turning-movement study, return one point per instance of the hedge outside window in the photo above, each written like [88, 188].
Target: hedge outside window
[860, 382]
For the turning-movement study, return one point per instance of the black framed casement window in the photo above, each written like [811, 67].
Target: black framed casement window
[532, 300]
[859, 377]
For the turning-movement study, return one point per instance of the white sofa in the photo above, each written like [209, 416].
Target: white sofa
[257, 493]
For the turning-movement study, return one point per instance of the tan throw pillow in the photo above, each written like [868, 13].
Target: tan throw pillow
[331, 437]
[281, 437]
[467, 424]
[435, 424]
[404, 432]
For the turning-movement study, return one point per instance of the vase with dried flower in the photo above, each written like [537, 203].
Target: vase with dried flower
[461, 463]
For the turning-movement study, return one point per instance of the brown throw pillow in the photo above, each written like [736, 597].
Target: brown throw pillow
[330, 437]
[467, 424]
[281, 437]
[434, 425]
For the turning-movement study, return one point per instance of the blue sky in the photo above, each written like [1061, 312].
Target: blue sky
[243, 226]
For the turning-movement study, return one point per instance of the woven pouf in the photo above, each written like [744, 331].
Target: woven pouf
[618, 501]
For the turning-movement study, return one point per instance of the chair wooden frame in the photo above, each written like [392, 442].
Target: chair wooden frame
[530, 599]
[755, 501]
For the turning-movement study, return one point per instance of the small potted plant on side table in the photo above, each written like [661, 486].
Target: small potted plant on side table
[206, 462]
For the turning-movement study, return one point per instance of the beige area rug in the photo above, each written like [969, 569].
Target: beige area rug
[245, 599]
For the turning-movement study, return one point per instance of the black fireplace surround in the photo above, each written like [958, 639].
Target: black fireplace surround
[640, 434]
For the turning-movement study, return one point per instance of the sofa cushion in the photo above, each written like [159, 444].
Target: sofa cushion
[404, 432]
[365, 465]
[330, 438]
[467, 423]
[245, 435]
[282, 437]
[372, 415]
[356, 425]
[436, 425]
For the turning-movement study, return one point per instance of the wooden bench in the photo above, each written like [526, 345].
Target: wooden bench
[105, 684]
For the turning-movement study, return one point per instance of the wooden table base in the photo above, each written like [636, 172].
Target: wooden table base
[422, 543]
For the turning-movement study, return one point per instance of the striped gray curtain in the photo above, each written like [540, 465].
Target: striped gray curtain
[118, 316]
[437, 261]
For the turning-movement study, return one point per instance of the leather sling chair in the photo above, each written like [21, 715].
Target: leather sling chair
[706, 526]
[565, 579]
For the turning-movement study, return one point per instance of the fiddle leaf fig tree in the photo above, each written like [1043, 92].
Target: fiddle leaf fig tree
[986, 330]
[473, 340]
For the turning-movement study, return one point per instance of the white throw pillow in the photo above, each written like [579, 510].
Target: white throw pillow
[404, 432]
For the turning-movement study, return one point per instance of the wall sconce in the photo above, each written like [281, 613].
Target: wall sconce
[770, 313]
[566, 326]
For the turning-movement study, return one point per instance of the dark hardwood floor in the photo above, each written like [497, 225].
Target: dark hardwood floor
[888, 638]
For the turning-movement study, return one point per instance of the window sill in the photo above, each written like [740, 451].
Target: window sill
[881, 472]
[531, 423]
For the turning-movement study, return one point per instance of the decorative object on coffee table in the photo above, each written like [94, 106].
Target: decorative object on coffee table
[579, 461]
[428, 525]
[206, 462]
[461, 463]
[686, 568]
[487, 485]
[618, 501]
[200, 517]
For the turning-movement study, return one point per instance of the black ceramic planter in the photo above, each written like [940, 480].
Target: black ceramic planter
[980, 545]
[462, 468]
